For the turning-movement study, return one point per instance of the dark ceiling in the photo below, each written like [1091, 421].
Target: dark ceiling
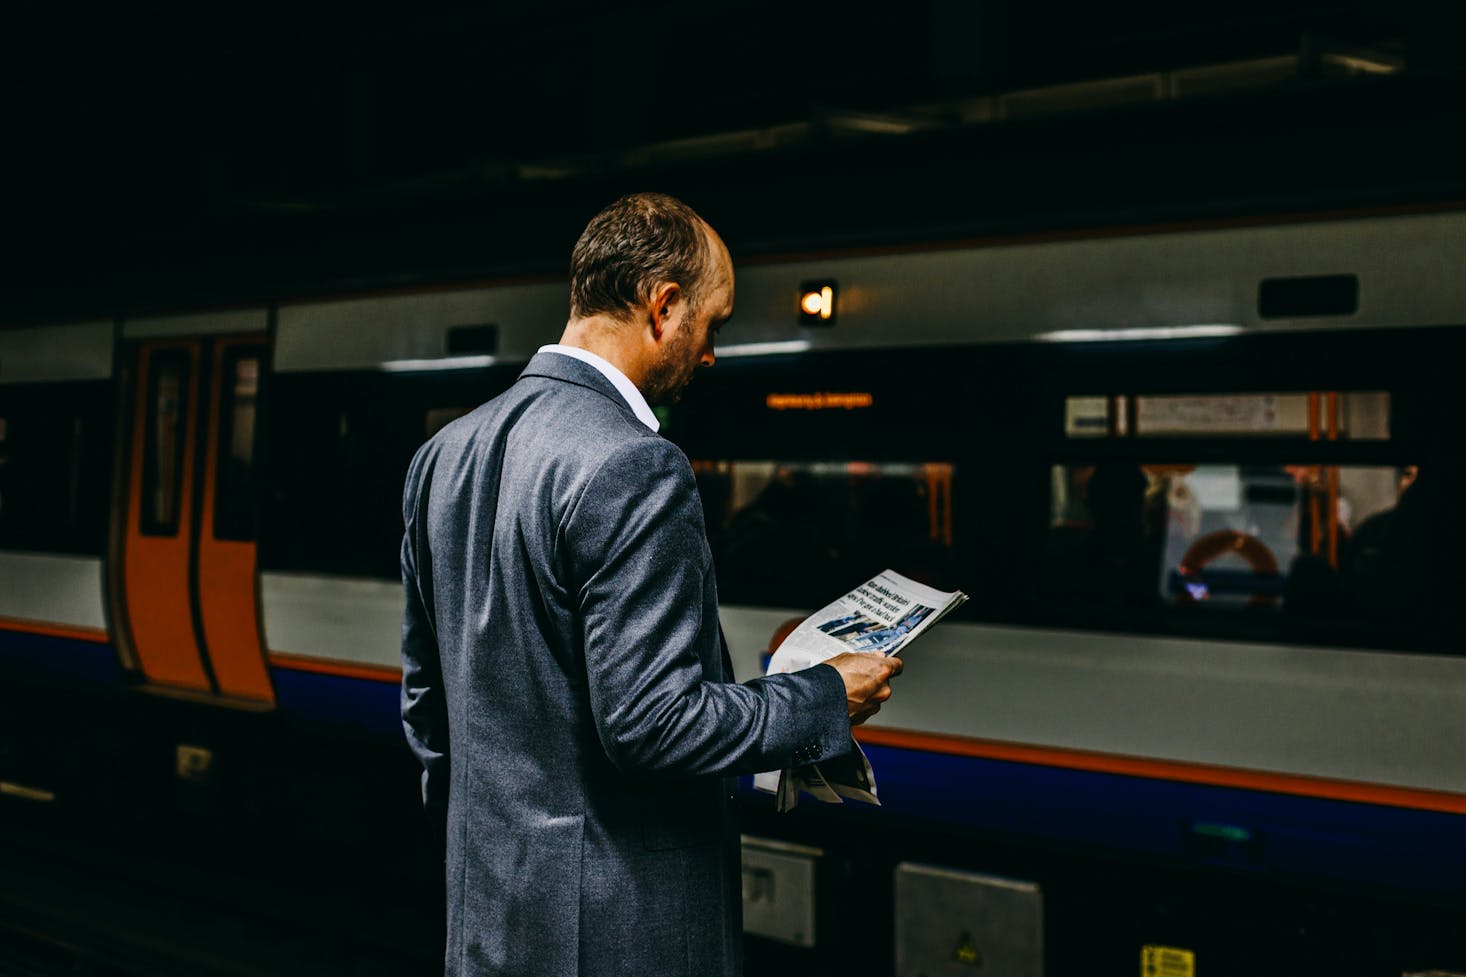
[157, 164]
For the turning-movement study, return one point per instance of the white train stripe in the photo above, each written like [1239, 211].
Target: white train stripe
[1291, 710]
[359, 620]
[364, 333]
[81, 351]
[349, 619]
[52, 589]
[1130, 284]
[1295, 710]
[1167, 280]
[748, 630]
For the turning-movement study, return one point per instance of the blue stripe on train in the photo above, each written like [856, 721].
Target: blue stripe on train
[329, 700]
[50, 659]
[1411, 852]
[347, 705]
[1417, 853]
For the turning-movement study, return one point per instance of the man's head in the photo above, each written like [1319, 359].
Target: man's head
[650, 285]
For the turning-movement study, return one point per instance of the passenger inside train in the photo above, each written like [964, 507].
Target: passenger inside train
[1127, 539]
[794, 533]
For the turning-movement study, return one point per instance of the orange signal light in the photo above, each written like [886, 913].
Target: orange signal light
[817, 303]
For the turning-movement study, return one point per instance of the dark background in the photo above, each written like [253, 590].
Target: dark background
[154, 162]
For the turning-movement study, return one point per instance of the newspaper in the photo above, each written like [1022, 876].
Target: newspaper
[884, 614]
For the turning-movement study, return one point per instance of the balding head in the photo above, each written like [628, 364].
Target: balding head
[638, 243]
[651, 285]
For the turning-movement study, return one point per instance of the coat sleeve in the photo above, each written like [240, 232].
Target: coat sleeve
[638, 558]
[424, 703]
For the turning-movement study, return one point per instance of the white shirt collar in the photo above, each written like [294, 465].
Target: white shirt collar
[624, 387]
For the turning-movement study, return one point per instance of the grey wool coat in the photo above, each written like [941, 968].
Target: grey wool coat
[566, 688]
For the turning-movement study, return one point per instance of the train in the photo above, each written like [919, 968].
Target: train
[1206, 703]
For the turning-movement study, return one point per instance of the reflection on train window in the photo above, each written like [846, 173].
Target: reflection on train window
[1298, 538]
[1331, 415]
[234, 503]
[163, 446]
[797, 534]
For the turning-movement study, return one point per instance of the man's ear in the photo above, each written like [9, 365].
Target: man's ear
[664, 301]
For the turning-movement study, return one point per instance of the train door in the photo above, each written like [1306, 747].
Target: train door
[184, 575]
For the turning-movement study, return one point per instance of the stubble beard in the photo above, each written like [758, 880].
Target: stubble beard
[670, 377]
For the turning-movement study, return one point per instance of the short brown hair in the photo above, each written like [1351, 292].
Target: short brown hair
[631, 247]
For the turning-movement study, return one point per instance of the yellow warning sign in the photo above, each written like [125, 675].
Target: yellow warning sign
[1166, 961]
[967, 951]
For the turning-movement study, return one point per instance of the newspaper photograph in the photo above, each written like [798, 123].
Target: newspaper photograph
[883, 615]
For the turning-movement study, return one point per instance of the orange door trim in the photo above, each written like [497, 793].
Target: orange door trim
[227, 571]
[156, 569]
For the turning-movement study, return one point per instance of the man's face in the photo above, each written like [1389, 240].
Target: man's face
[689, 343]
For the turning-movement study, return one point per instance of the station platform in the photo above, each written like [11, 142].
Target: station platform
[100, 908]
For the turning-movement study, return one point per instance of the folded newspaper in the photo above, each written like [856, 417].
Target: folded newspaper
[884, 614]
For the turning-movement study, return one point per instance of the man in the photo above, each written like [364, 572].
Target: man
[564, 679]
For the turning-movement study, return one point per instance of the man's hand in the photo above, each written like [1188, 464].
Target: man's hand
[867, 678]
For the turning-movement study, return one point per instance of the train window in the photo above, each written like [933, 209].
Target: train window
[163, 442]
[795, 534]
[1277, 537]
[234, 501]
[4, 431]
[74, 471]
[54, 462]
[1350, 415]
[437, 418]
[340, 443]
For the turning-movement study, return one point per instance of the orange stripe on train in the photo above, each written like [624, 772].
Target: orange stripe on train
[51, 629]
[331, 666]
[1196, 773]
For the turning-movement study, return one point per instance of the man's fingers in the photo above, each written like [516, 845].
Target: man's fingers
[867, 678]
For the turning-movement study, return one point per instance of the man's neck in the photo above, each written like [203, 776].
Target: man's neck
[611, 340]
[628, 391]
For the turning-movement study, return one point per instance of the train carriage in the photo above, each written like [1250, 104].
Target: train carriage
[1201, 483]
